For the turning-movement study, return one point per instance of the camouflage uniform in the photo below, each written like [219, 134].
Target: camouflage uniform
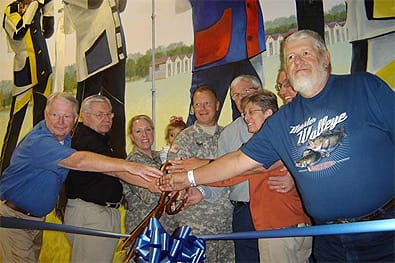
[205, 217]
[140, 200]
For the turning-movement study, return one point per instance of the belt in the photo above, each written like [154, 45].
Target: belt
[113, 205]
[239, 203]
[376, 214]
[117, 205]
[298, 225]
[14, 207]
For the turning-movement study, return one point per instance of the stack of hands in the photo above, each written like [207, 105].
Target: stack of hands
[176, 181]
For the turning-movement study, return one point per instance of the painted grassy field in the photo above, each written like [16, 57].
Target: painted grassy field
[172, 98]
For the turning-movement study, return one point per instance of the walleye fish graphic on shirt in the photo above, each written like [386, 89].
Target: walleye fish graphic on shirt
[319, 148]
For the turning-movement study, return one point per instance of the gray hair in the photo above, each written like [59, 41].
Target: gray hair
[318, 42]
[86, 103]
[68, 97]
[256, 83]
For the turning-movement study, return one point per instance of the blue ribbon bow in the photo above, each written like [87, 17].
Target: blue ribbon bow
[156, 246]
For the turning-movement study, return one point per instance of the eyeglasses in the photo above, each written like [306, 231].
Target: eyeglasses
[101, 115]
[57, 117]
[249, 112]
[236, 96]
[202, 104]
[284, 84]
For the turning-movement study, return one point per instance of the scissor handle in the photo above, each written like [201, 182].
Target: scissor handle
[157, 211]
[171, 205]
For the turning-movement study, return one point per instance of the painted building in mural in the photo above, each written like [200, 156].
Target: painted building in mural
[335, 32]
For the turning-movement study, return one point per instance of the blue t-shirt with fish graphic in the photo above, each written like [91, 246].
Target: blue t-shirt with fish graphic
[338, 145]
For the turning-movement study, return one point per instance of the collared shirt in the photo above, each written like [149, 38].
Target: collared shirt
[230, 139]
[34, 178]
[194, 142]
[92, 187]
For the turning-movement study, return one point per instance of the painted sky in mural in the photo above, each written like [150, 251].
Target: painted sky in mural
[169, 27]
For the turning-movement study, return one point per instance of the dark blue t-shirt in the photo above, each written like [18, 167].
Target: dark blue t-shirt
[338, 145]
[34, 178]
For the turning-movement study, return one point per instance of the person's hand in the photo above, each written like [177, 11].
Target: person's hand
[143, 170]
[184, 165]
[173, 182]
[153, 187]
[193, 196]
[281, 184]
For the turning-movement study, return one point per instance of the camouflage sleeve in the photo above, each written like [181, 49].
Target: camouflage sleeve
[181, 147]
[184, 147]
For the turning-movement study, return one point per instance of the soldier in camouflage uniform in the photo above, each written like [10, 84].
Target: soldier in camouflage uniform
[201, 140]
[140, 200]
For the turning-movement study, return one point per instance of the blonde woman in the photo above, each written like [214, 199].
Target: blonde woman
[141, 200]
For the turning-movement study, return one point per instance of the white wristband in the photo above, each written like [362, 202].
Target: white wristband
[201, 190]
[191, 178]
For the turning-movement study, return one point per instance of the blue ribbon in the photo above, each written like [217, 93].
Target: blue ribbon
[19, 223]
[156, 246]
[385, 225]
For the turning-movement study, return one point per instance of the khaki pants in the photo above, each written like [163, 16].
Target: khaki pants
[90, 248]
[19, 245]
[290, 249]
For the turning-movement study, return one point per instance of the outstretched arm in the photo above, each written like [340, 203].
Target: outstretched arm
[88, 161]
[184, 165]
[227, 166]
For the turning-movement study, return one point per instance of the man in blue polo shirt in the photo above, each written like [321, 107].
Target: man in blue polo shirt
[337, 139]
[39, 165]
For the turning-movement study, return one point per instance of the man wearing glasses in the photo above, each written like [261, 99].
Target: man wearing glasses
[93, 197]
[30, 185]
[231, 138]
[101, 57]
[284, 88]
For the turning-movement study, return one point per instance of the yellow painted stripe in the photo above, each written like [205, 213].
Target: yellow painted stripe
[387, 73]
[32, 57]
[22, 100]
[48, 88]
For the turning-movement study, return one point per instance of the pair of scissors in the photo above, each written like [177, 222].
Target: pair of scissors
[167, 203]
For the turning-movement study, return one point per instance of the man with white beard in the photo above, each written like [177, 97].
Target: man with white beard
[336, 139]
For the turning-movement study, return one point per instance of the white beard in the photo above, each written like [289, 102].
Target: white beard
[306, 84]
[303, 84]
